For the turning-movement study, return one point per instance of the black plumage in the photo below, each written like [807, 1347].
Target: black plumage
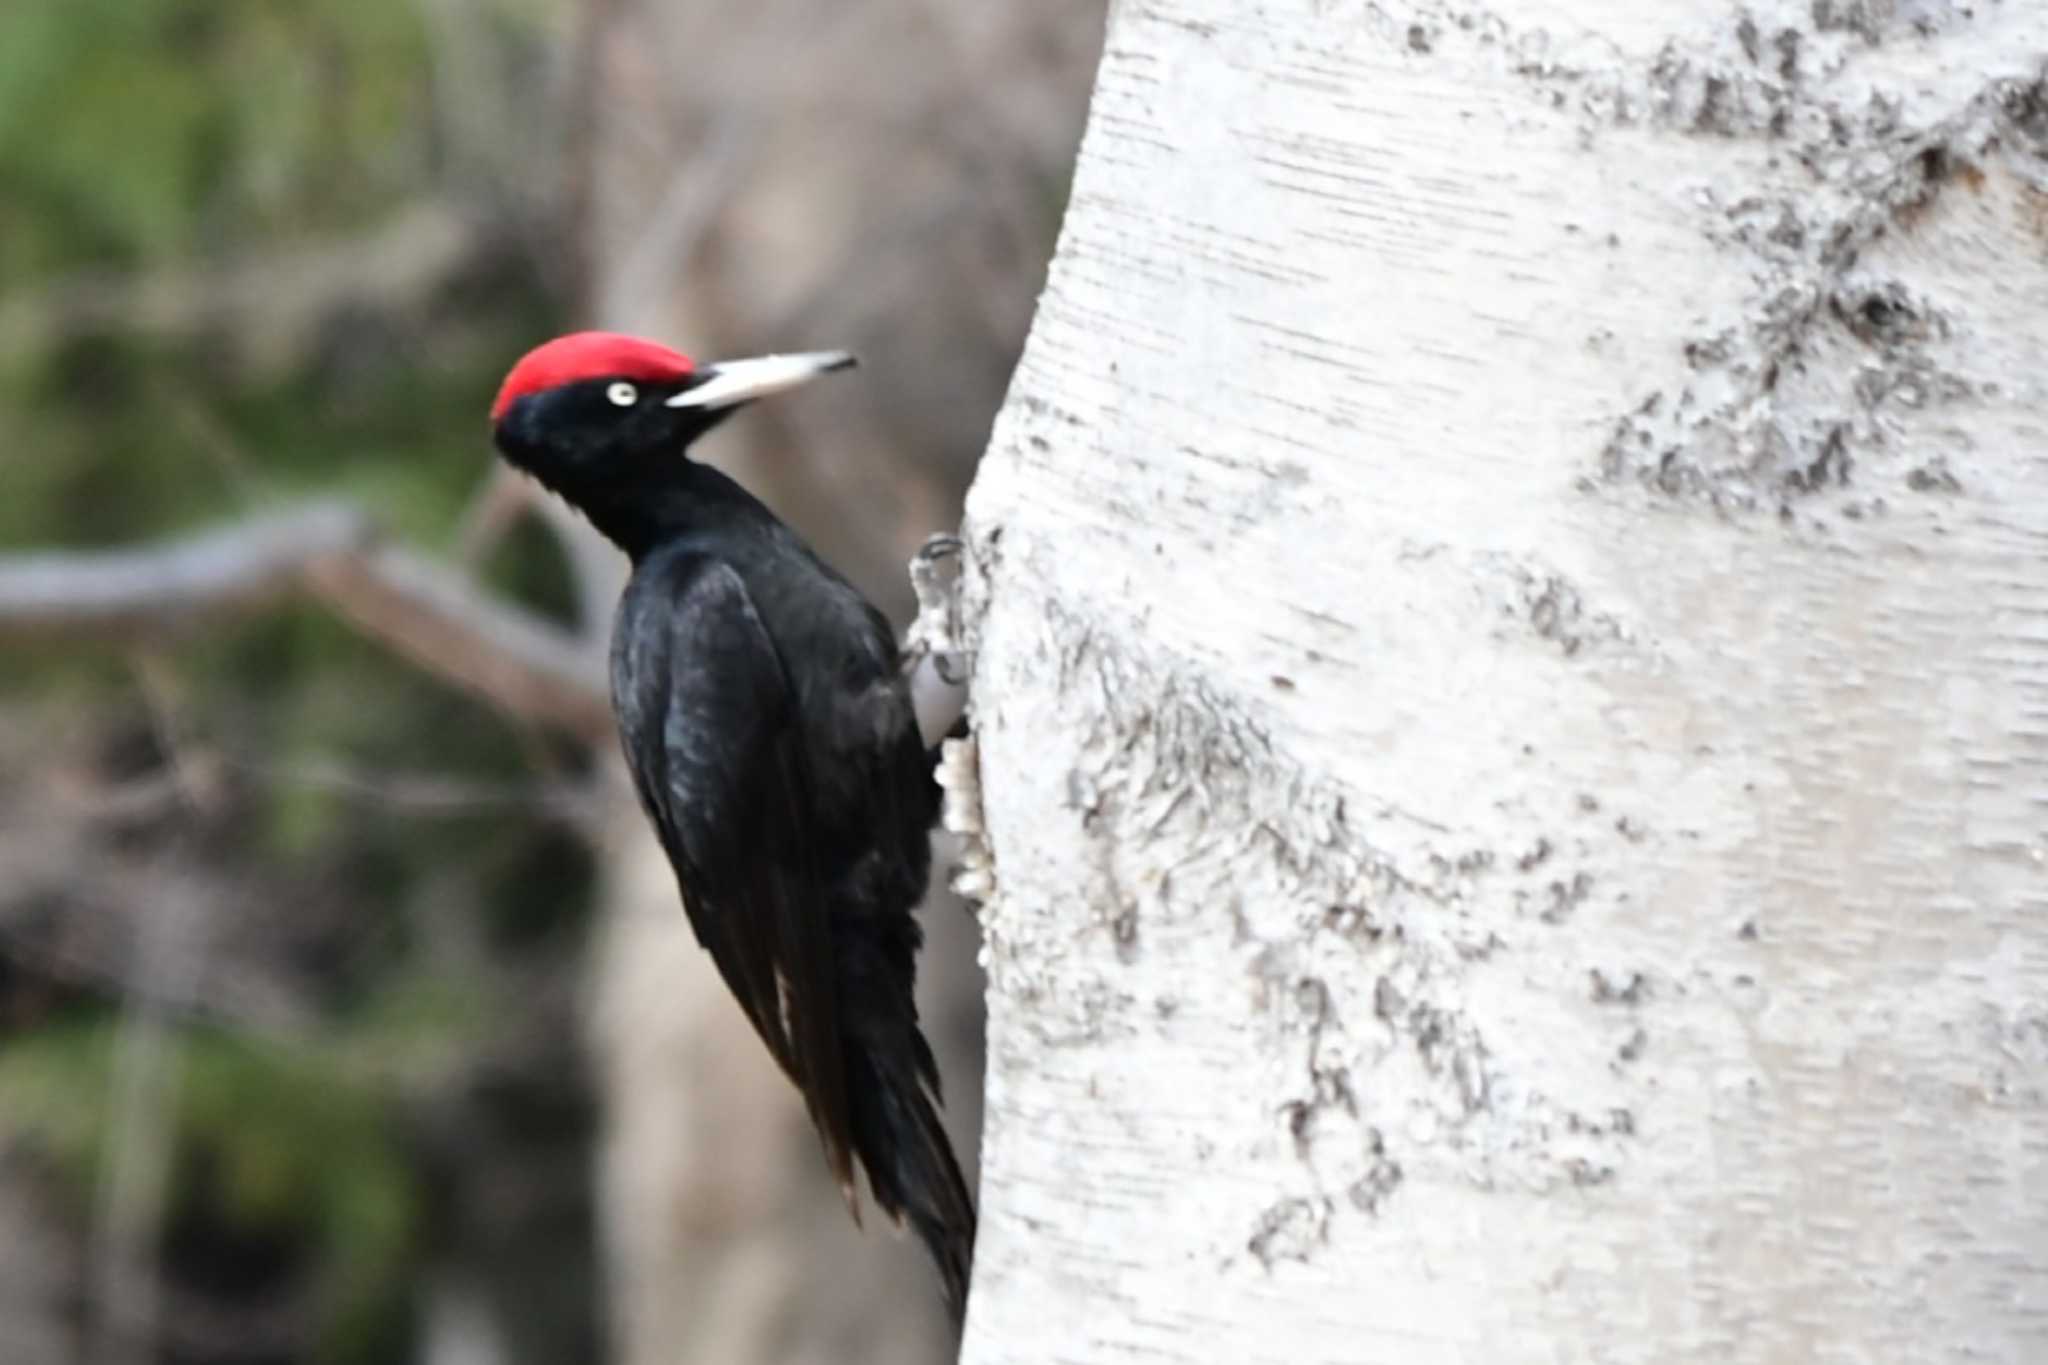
[772, 741]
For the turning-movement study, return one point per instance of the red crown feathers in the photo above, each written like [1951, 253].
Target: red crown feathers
[589, 355]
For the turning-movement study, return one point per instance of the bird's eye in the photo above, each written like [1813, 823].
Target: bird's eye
[623, 394]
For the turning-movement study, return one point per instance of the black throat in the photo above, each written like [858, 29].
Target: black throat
[680, 500]
[633, 481]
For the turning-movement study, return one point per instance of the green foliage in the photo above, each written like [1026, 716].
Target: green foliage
[148, 136]
[146, 140]
[135, 130]
[296, 1142]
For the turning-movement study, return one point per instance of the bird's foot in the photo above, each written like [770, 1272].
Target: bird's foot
[937, 664]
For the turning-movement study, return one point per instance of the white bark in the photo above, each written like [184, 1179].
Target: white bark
[1512, 598]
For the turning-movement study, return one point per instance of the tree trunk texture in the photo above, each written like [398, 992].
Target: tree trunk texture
[1511, 591]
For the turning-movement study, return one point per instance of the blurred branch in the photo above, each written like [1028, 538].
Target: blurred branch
[414, 793]
[129, 594]
[165, 965]
[446, 624]
[432, 615]
[583, 124]
[501, 496]
[129, 1218]
[636, 290]
[79, 922]
[429, 793]
[277, 298]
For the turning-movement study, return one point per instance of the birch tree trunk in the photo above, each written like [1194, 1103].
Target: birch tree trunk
[1512, 605]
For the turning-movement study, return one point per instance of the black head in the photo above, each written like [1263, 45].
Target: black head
[595, 414]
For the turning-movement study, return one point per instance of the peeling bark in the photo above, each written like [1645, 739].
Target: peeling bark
[1512, 694]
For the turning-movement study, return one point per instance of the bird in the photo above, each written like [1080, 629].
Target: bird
[773, 746]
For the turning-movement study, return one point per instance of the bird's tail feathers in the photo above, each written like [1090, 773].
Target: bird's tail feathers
[909, 1160]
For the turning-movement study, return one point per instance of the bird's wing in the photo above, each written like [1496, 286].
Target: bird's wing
[710, 727]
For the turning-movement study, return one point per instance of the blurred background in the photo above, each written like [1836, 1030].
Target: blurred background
[346, 1011]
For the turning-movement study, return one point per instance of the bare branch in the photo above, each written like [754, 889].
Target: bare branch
[687, 211]
[147, 593]
[433, 615]
[501, 498]
[78, 916]
[429, 794]
[272, 303]
[449, 626]
[169, 960]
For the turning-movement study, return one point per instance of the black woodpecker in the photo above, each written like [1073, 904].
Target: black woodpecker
[773, 745]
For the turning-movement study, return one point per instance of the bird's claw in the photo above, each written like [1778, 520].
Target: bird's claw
[938, 546]
[935, 577]
[937, 665]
